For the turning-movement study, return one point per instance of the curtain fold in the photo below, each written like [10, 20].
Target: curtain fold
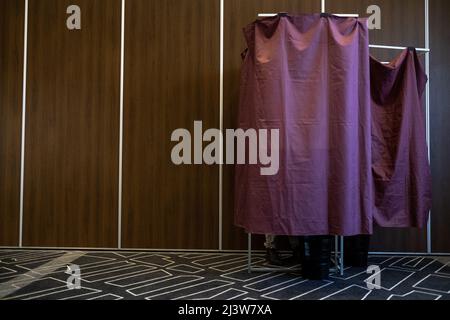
[308, 76]
[401, 170]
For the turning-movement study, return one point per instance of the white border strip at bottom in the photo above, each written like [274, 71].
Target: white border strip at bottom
[424, 254]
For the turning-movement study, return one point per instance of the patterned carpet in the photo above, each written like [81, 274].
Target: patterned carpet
[186, 276]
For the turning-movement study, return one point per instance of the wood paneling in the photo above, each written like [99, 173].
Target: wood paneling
[11, 62]
[238, 14]
[172, 79]
[402, 24]
[72, 125]
[440, 129]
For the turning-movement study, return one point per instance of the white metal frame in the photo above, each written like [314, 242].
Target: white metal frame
[24, 119]
[221, 88]
[342, 15]
[122, 73]
[427, 103]
[378, 46]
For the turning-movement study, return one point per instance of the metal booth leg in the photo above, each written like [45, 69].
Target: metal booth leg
[249, 252]
[341, 260]
[339, 255]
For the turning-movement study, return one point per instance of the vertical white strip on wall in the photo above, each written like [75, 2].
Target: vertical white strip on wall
[24, 117]
[122, 62]
[221, 124]
[427, 101]
[323, 6]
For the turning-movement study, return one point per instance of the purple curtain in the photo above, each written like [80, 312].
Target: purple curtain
[401, 168]
[308, 76]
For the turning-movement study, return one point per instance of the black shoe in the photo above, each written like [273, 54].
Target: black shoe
[357, 251]
[296, 259]
[317, 260]
[298, 251]
[273, 258]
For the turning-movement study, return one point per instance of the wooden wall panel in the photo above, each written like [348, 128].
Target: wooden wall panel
[72, 125]
[172, 79]
[11, 62]
[238, 14]
[440, 129]
[402, 24]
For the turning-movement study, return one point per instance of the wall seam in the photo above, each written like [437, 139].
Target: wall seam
[23, 134]
[427, 102]
[221, 88]
[120, 182]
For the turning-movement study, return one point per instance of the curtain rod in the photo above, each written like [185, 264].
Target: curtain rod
[342, 15]
[376, 46]
[345, 15]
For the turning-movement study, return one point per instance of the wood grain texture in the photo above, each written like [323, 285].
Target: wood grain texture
[440, 129]
[11, 64]
[172, 79]
[72, 129]
[238, 14]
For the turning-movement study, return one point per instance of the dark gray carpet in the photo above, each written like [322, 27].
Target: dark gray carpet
[148, 275]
